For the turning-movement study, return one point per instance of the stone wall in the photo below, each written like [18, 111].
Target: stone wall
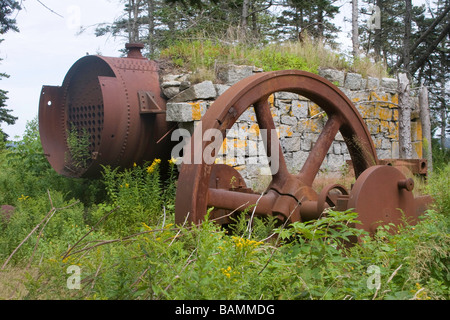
[299, 121]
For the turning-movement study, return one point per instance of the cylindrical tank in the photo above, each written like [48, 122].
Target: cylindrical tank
[108, 111]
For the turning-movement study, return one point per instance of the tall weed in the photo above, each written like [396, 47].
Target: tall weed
[139, 196]
[439, 186]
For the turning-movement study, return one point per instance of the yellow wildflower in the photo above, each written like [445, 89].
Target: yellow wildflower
[420, 293]
[146, 226]
[172, 161]
[226, 272]
[23, 198]
[241, 243]
[152, 167]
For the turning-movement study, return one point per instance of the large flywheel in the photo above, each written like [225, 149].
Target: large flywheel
[203, 184]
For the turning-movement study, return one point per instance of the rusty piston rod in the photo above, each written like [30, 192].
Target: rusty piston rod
[262, 204]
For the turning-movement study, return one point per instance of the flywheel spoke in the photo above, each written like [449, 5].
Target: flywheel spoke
[265, 121]
[319, 151]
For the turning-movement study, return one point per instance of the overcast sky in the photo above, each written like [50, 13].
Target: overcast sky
[48, 45]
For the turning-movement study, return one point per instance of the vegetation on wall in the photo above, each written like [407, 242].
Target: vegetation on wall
[204, 56]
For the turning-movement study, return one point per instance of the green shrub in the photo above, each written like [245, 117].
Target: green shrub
[139, 195]
[441, 156]
[78, 145]
[59, 230]
[205, 262]
[439, 186]
[24, 170]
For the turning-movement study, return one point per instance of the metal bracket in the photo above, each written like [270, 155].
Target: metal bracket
[147, 103]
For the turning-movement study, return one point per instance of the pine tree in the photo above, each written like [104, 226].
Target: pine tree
[438, 64]
[309, 17]
[416, 40]
[382, 41]
[159, 23]
[7, 8]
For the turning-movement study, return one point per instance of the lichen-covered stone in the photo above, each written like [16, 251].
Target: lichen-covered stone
[335, 76]
[231, 74]
[202, 90]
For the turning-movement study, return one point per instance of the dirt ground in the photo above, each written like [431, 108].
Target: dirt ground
[11, 283]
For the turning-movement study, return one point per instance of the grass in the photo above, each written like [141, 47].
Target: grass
[201, 57]
[12, 281]
[127, 247]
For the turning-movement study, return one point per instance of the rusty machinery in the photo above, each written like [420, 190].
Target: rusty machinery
[119, 104]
